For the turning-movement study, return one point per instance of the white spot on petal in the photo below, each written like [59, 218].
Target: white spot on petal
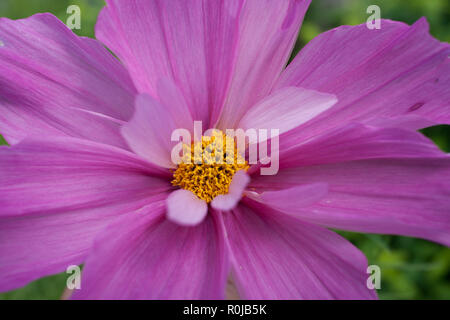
[2, 44]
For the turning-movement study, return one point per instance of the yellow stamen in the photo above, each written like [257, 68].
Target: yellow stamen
[208, 167]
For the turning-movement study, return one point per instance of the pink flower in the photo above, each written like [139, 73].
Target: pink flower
[87, 178]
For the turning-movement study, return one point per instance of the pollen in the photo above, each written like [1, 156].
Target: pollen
[208, 166]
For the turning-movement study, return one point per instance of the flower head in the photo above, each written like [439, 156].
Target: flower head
[90, 178]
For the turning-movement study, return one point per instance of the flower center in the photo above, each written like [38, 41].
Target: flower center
[207, 167]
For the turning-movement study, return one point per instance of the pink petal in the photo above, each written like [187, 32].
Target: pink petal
[146, 256]
[267, 33]
[67, 173]
[149, 132]
[47, 74]
[291, 199]
[387, 180]
[408, 197]
[354, 142]
[191, 42]
[286, 109]
[55, 196]
[173, 101]
[237, 186]
[410, 121]
[185, 208]
[275, 256]
[398, 70]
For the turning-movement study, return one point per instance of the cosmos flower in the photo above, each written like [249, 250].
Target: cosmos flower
[88, 177]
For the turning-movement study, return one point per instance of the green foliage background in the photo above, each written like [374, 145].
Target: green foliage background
[411, 268]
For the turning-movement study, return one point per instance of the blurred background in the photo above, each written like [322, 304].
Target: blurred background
[410, 268]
